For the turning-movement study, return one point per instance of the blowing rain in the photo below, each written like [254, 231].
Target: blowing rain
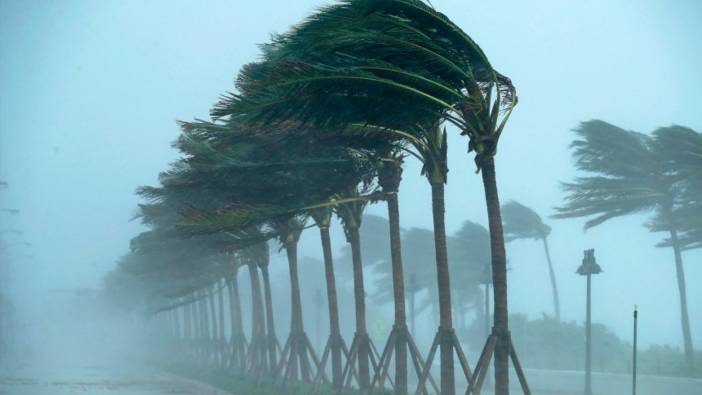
[350, 197]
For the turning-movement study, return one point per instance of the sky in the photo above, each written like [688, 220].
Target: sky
[90, 92]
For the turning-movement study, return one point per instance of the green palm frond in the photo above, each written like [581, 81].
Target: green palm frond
[521, 222]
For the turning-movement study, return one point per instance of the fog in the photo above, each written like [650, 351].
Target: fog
[90, 92]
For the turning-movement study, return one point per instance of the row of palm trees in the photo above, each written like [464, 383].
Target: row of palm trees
[321, 126]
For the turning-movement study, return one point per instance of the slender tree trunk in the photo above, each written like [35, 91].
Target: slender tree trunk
[221, 343]
[270, 323]
[205, 323]
[682, 291]
[235, 306]
[444, 286]
[499, 277]
[554, 285]
[187, 323]
[398, 286]
[213, 322]
[237, 324]
[296, 323]
[257, 326]
[257, 315]
[360, 302]
[334, 330]
[176, 324]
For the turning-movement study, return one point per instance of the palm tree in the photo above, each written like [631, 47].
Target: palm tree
[521, 222]
[402, 80]
[335, 344]
[681, 149]
[629, 176]
[351, 215]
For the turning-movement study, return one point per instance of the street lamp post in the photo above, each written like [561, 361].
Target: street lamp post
[588, 268]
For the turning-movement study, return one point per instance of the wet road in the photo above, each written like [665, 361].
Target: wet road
[98, 380]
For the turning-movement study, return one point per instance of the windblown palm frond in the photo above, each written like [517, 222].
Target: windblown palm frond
[628, 177]
[521, 222]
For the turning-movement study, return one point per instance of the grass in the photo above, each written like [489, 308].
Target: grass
[227, 380]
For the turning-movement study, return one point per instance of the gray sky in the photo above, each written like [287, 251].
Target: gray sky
[90, 91]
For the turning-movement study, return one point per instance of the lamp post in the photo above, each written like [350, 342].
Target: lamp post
[636, 322]
[588, 268]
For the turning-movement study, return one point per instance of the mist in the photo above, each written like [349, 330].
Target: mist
[90, 96]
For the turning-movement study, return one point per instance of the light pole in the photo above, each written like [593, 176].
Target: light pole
[636, 322]
[588, 268]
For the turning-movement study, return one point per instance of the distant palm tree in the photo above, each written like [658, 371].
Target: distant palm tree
[469, 256]
[681, 149]
[521, 222]
[629, 176]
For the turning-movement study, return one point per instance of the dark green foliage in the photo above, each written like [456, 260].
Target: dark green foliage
[534, 339]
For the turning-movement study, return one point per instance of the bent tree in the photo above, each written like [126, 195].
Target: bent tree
[401, 68]
[521, 222]
[628, 173]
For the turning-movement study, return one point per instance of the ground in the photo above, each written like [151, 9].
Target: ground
[97, 379]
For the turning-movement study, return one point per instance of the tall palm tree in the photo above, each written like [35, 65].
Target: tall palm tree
[351, 215]
[628, 176]
[335, 345]
[681, 149]
[521, 222]
[402, 67]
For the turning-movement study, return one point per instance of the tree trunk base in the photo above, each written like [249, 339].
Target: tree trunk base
[448, 337]
[400, 337]
[475, 383]
[361, 344]
[335, 345]
[297, 353]
[238, 347]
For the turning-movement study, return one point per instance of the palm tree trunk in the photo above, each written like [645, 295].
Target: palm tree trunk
[205, 324]
[499, 277]
[360, 302]
[186, 323]
[334, 329]
[296, 324]
[554, 286]
[237, 325]
[257, 325]
[270, 323]
[257, 302]
[398, 286]
[443, 281]
[682, 290]
[235, 306]
[221, 343]
[213, 321]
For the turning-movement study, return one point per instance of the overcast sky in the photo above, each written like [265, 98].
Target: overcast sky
[90, 92]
